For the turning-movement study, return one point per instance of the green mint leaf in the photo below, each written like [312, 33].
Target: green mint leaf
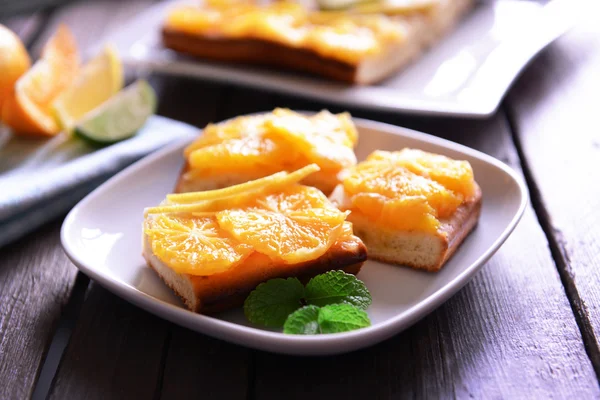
[303, 321]
[342, 318]
[336, 287]
[272, 301]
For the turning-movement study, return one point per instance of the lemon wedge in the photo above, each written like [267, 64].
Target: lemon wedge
[96, 82]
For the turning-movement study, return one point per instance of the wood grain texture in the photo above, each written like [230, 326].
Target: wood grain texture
[200, 367]
[118, 351]
[35, 283]
[554, 110]
[115, 351]
[508, 333]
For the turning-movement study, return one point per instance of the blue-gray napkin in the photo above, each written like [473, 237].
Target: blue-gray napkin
[41, 179]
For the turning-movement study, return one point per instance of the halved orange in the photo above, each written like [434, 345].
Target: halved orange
[28, 108]
[14, 61]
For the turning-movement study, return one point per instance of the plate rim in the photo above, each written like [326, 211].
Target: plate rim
[278, 342]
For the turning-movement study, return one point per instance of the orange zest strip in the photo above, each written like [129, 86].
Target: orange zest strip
[200, 201]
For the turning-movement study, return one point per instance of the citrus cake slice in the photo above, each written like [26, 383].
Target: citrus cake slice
[214, 247]
[362, 44]
[410, 207]
[255, 146]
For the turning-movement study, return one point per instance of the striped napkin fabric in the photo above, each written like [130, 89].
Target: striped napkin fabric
[42, 179]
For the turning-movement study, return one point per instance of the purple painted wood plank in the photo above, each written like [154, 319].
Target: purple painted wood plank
[554, 110]
[36, 280]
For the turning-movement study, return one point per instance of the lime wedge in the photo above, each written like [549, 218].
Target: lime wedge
[120, 117]
[96, 82]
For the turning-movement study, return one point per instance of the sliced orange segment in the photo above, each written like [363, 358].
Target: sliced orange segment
[293, 198]
[455, 175]
[28, 109]
[325, 139]
[195, 245]
[213, 231]
[288, 230]
[279, 236]
[392, 181]
[234, 129]
[406, 213]
[243, 153]
[281, 140]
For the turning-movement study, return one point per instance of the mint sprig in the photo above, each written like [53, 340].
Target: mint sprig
[272, 301]
[342, 318]
[304, 321]
[333, 318]
[335, 302]
[336, 287]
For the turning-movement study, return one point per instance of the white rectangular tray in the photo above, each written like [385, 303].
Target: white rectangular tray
[466, 74]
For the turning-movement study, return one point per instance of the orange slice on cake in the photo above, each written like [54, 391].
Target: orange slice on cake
[205, 233]
[295, 225]
[184, 241]
[250, 147]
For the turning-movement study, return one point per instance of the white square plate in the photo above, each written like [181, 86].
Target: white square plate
[465, 74]
[102, 236]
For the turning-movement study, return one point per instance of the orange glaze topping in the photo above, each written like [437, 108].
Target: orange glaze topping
[206, 233]
[408, 189]
[272, 142]
[343, 36]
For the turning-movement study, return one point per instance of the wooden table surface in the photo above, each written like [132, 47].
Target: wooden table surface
[527, 326]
